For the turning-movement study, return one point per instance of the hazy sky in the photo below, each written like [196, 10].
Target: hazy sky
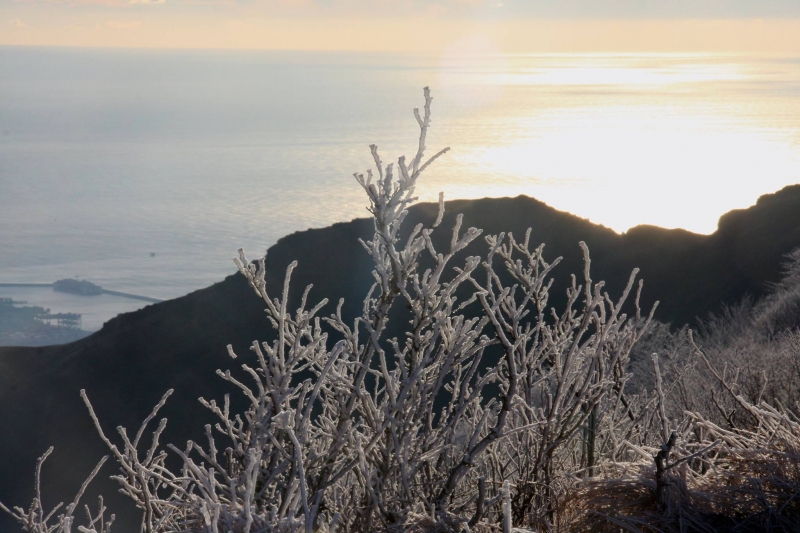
[758, 26]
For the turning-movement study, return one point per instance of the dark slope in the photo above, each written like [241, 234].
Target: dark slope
[178, 344]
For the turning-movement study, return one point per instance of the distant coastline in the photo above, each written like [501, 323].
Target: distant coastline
[36, 325]
[95, 290]
[94, 310]
[24, 325]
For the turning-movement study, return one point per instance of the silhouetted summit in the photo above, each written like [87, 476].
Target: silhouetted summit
[128, 365]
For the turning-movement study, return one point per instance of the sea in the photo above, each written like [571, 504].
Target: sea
[143, 171]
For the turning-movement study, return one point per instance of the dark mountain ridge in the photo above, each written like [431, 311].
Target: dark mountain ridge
[127, 366]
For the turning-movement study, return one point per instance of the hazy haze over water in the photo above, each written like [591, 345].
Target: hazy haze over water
[107, 156]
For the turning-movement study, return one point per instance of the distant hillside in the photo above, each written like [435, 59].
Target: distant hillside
[126, 366]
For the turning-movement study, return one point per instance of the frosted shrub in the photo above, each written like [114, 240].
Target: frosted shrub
[361, 446]
[487, 409]
[34, 520]
[491, 408]
[715, 444]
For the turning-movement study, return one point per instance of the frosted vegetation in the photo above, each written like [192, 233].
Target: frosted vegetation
[491, 410]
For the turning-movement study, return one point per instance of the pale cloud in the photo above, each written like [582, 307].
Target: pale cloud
[123, 25]
[108, 3]
[73, 3]
[440, 26]
[239, 25]
[435, 10]
[212, 3]
[17, 23]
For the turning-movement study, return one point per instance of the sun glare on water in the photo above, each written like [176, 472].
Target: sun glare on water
[610, 73]
[674, 141]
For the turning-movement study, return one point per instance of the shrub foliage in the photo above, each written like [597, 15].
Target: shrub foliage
[491, 409]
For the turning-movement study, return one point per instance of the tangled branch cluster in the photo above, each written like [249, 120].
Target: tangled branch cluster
[491, 409]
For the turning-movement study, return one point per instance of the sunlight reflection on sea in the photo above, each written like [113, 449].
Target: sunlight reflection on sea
[145, 171]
